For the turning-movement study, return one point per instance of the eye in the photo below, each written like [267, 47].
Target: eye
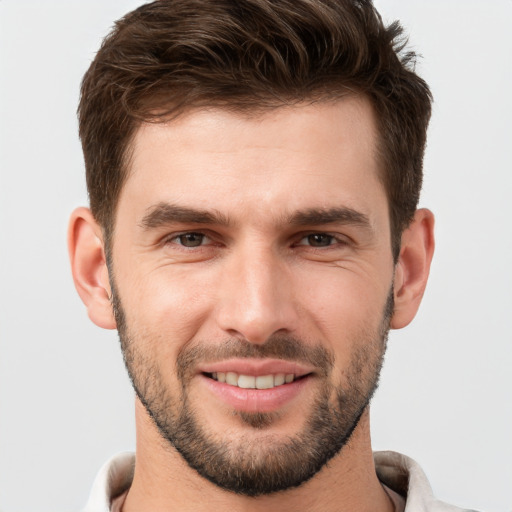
[191, 239]
[317, 240]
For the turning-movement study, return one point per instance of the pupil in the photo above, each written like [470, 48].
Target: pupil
[319, 240]
[191, 239]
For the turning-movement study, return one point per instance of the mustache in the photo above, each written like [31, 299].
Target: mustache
[284, 347]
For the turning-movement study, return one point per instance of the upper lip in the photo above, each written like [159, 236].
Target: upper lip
[257, 367]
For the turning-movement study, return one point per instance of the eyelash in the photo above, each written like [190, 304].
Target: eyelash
[332, 240]
[174, 239]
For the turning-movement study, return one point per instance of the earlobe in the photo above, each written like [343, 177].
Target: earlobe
[89, 267]
[413, 267]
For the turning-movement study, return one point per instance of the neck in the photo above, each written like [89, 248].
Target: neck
[163, 481]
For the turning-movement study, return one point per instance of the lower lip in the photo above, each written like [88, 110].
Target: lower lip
[256, 400]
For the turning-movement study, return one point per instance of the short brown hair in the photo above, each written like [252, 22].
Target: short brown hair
[169, 56]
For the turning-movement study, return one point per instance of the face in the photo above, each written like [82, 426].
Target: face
[252, 272]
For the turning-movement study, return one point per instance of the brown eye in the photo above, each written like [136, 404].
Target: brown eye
[191, 239]
[319, 240]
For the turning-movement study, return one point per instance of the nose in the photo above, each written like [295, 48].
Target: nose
[256, 296]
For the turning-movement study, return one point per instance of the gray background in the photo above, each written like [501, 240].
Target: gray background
[446, 392]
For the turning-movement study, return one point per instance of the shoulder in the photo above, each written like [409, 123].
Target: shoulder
[113, 479]
[405, 476]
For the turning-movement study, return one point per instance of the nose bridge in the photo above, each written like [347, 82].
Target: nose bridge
[257, 294]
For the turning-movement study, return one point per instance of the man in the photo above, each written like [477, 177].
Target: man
[254, 169]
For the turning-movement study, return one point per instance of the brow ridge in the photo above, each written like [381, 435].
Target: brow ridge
[317, 216]
[166, 213]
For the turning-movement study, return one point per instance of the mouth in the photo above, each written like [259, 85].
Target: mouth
[240, 380]
[257, 385]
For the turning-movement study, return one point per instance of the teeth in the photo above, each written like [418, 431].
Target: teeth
[251, 382]
[263, 382]
[246, 381]
[279, 379]
[232, 378]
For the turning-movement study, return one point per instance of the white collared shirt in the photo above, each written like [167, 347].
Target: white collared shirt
[399, 473]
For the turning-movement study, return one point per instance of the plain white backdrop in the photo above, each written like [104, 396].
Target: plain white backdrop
[446, 390]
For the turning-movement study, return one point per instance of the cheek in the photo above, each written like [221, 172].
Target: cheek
[347, 310]
[165, 309]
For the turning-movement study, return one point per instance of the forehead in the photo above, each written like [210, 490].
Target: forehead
[289, 158]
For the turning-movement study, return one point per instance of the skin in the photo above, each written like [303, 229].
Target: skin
[254, 275]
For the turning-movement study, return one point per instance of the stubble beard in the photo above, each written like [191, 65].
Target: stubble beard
[255, 465]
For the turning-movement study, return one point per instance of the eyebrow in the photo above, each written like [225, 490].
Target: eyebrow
[164, 213]
[341, 215]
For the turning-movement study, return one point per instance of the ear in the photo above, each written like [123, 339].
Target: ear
[413, 267]
[89, 267]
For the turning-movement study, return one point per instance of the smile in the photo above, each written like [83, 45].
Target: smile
[251, 381]
[256, 385]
